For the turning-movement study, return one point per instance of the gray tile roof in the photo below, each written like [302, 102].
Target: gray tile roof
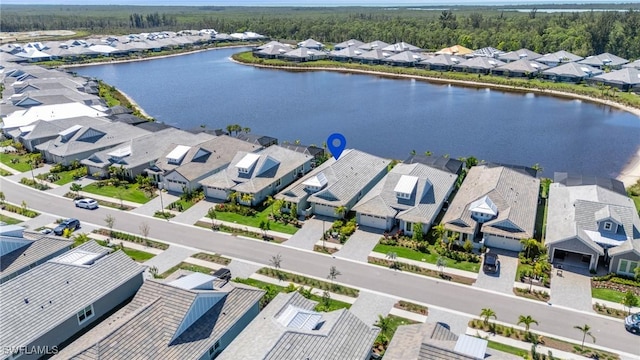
[515, 194]
[270, 44]
[559, 57]
[573, 69]
[348, 43]
[348, 52]
[400, 47]
[57, 291]
[404, 57]
[626, 76]
[49, 129]
[145, 327]
[443, 60]
[303, 53]
[375, 54]
[519, 54]
[341, 335]
[36, 249]
[488, 52]
[222, 148]
[346, 178]
[274, 49]
[426, 341]
[432, 187]
[279, 161]
[95, 138]
[574, 210]
[374, 45]
[635, 64]
[480, 62]
[604, 59]
[145, 149]
[523, 66]
[448, 164]
[310, 43]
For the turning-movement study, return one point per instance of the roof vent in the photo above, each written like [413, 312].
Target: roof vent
[26, 301]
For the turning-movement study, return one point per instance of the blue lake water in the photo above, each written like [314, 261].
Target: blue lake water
[386, 117]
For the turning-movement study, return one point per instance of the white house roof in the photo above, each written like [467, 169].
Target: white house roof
[50, 113]
[178, 153]
[406, 184]
[121, 151]
[319, 180]
[248, 161]
[484, 205]
[471, 346]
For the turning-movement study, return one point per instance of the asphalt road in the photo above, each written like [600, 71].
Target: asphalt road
[609, 332]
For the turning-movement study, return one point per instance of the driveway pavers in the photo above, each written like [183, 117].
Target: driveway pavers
[572, 290]
[360, 244]
[194, 213]
[456, 322]
[369, 305]
[242, 269]
[309, 233]
[155, 204]
[503, 280]
[169, 258]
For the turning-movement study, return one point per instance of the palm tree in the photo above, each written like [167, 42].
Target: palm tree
[247, 198]
[526, 321]
[211, 214]
[268, 202]
[341, 210]
[439, 231]
[586, 330]
[384, 323]
[529, 245]
[541, 267]
[233, 197]
[486, 314]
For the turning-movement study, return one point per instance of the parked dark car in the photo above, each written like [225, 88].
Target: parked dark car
[491, 263]
[72, 224]
[223, 274]
[632, 323]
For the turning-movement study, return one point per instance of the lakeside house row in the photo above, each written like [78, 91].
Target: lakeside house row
[561, 66]
[495, 206]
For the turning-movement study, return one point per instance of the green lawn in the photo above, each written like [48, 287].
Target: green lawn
[65, 177]
[522, 268]
[636, 200]
[9, 220]
[256, 220]
[21, 165]
[4, 172]
[429, 258]
[185, 205]
[188, 267]
[609, 295]
[137, 255]
[507, 348]
[131, 194]
[541, 220]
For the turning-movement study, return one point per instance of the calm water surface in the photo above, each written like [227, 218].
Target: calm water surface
[386, 117]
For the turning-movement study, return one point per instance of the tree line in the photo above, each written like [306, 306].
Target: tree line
[583, 33]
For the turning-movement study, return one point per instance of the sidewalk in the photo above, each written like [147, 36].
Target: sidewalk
[9, 169]
[426, 265]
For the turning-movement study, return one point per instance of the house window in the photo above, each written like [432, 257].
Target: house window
[85, 314]
[278, 183]
[627, 266]
[214, 350]
[408, 226]
[608, 225]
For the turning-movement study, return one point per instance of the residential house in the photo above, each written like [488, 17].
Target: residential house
[400, 47]
[25, 100]
[253, 176]
[311, 44]
[571, 72]
[590, 222]
[64, 296]
[346, 54]
[336, 184]
[268, 45]
[271, 51]
[374, 45]
[495, 206]
[21, 250]
[317, 152]
[519, 55]
[442, 62]
[78, 142]
[455, 50]
[478, 65]
[627, 79]
[50, 113]
[193, 317]
[558, 57]
[487, 52]
[520, 68]
[373, 57]
[302, 54]
[348, 43]
[604, 60]
[262, 140]
[405, 58]
[42, 131]
[453, 166]
[289, 329]
[184, 166]
[407, 195]
[429, 341]
[135, 155]
[635, 64]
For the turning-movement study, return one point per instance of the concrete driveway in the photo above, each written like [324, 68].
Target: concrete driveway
[504, 279]
[360, 244]
[369, 305]
[309, 233]
[570, 289]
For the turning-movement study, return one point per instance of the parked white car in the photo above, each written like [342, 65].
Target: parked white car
[86, 203]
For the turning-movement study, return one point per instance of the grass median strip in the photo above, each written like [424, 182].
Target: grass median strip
[400, 266]
[314, 283]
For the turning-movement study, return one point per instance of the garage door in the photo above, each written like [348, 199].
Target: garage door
[502, 243]
[174, 186]
[377, 222]
[325, 210]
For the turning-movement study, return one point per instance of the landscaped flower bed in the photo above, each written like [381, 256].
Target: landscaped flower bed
[235, 231]
[414, 308]
[539, 295]
[212, 258]
[617, 283]
[605, 310]
[19, 210]
[325, 249]
[34, 184]
[303, 280]
[420, 270]
[132, 238]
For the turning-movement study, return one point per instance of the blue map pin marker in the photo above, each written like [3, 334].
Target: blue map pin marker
[336, 150]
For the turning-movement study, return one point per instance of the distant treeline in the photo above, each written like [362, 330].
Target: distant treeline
[583, 33]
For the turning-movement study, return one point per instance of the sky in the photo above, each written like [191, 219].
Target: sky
[314, 2]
